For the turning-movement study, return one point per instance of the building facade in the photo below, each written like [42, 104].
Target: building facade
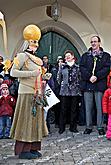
[79, 20]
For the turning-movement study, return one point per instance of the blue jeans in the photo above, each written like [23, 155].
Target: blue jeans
[89, 104]
[5, 125]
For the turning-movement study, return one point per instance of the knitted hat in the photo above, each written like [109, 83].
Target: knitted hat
[59, 57]
[3, 86]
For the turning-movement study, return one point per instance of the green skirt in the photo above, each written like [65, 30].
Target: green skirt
[25, 126]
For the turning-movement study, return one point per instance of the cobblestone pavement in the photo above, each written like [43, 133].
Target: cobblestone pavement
[66, 149]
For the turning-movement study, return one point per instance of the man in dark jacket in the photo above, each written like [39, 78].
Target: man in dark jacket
[94, 67]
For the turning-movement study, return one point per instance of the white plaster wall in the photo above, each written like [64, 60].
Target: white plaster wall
[79, 24]
[99, 13]
[1, 42]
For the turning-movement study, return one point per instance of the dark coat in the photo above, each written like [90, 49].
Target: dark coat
[69, 78]
[6, 105]
[54, 72]
[101, 71]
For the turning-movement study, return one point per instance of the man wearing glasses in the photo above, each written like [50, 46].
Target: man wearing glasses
[94, 67]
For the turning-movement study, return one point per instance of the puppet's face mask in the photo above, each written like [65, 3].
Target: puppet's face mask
[33, 43]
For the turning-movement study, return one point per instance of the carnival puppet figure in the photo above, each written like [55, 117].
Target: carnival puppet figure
[29, 127]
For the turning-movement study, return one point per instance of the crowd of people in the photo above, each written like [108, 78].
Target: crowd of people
[81, 87]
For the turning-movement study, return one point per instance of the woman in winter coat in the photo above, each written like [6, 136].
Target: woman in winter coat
[69, 77]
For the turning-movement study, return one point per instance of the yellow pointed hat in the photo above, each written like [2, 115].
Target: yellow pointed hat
[32, 32]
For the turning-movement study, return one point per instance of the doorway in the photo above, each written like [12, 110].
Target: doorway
[53, 45]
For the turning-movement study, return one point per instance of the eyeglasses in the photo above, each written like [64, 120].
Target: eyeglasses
[93, 42]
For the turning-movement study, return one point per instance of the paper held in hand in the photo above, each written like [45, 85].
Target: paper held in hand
[52, 99]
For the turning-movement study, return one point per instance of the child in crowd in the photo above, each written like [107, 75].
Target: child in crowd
[7, 102]
[106, 103]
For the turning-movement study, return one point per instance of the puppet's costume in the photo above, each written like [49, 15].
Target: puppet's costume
[28, 127]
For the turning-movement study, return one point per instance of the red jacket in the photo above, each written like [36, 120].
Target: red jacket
[7, 105]
[109, 80]
[106, 101]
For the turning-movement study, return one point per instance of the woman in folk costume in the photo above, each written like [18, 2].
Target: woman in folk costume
[29, 127]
